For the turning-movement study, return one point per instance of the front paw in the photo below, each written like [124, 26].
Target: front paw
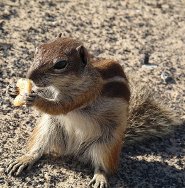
[99, 181]
[17, 166]
[31, 99]
[12, 90]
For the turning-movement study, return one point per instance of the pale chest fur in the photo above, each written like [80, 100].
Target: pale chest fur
[100, 120]
[79, 128]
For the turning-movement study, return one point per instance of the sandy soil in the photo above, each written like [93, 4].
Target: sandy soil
[122, 30]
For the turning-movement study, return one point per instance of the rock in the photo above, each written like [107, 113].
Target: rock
[149, 66]
[167, 78]
[145, 61]
[1, 171]
[1, 180]
[5, 46]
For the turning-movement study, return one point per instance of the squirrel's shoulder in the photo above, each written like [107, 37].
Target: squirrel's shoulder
[109, 68]
[115, 80]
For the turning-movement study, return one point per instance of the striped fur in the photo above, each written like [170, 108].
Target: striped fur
[84, 110]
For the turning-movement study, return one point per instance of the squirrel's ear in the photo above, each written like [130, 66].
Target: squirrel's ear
[82, 51]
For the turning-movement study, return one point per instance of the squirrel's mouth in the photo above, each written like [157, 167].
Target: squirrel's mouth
[40, 85]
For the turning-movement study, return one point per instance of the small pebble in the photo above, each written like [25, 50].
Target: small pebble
[167, 77]
[145, 59]
[5, 46]
[145, 62]
[1, 171]
[1, 180]
[149, 66]
[28, 179]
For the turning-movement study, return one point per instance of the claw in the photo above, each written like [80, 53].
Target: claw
[99, 181]
[31, 98]
[10, 166]
[20, 169]
[91, 182]
[20, 164]
[14, 168]
[12, 90]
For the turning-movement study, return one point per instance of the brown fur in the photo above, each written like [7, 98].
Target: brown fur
[109, 69]
[47, 54]
[33, 138]
[63, 107]
[103, 81]
[116, 89]
[84, 108]
[148, 116]
[112, 157]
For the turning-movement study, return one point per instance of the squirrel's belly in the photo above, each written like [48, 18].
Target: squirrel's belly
[80, 130]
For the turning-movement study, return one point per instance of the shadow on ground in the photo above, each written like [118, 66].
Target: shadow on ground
[139, 164]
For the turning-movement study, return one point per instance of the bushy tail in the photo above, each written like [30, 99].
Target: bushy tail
[148, 118]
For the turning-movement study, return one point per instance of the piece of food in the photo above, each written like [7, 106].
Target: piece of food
[24, 87]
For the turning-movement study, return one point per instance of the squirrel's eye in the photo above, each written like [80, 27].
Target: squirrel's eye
[60, 65]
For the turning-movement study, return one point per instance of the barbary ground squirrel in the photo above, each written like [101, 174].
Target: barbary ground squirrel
[88, 108]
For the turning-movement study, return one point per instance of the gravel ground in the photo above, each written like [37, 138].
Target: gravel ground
[131, 31]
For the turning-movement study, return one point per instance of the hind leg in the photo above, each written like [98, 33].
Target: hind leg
[99, 179]
[40, 142]
[105, 158]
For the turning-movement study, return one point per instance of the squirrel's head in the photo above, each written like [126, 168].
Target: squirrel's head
[63, 60]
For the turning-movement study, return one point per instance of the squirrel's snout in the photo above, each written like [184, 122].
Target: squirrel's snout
[36, 78]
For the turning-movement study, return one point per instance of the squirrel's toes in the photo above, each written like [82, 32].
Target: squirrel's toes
[16, 167]
[12, 91]
[99, 181]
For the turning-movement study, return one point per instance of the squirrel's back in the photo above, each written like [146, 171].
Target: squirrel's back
[148, 117]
